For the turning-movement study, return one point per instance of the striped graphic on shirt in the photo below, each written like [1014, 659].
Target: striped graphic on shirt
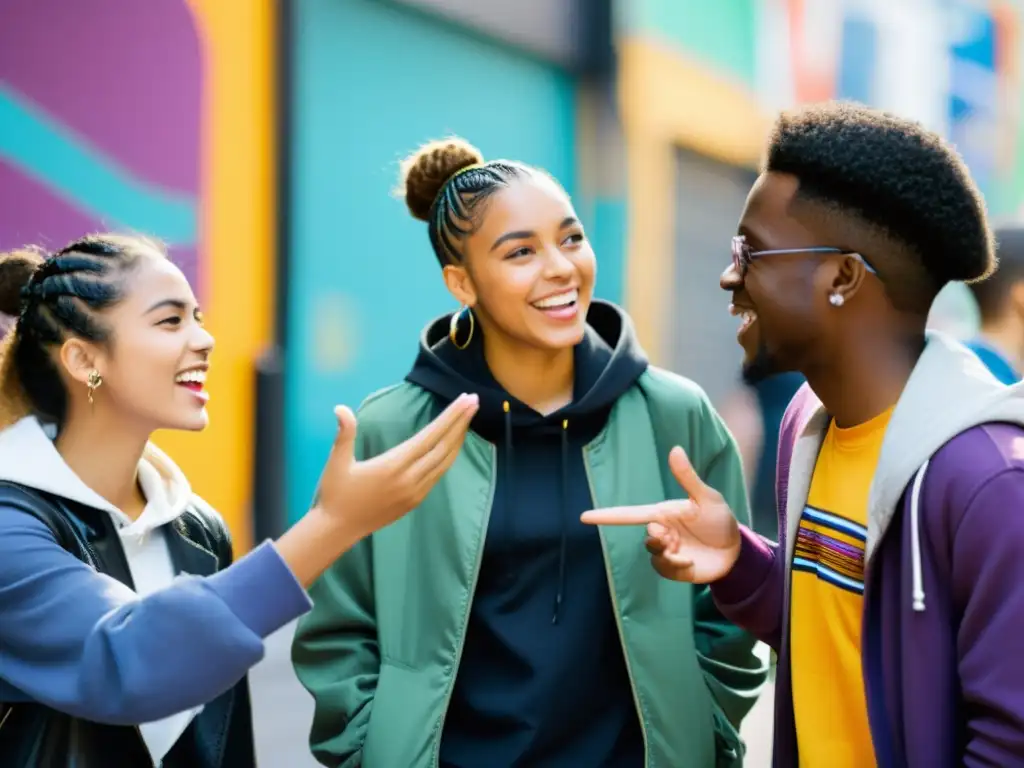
[832, 548]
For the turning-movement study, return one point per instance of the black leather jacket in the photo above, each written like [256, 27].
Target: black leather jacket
[35, 736]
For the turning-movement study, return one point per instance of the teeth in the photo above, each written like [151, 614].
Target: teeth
[747, 317]
[561, 300]
[191, 377]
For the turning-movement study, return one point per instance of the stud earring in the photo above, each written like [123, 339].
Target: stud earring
[95, 380]
[836, 300]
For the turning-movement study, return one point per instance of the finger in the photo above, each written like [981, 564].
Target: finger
[429, 468]
[638, 515]
[345, 440]
[673, 570]
[657, 530]
[423, 441]
[687, 476]
[654, 545]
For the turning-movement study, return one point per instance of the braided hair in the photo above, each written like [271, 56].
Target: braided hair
[56, 298]
[445, 184]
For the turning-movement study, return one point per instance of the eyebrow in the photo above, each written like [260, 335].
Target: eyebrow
[175, 303]
[525, 234]
[750, 236]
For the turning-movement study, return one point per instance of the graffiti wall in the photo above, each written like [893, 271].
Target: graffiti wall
[100, 106]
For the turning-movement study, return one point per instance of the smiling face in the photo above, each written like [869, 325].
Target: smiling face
[155, 362]
[528, 269]
[783, 299]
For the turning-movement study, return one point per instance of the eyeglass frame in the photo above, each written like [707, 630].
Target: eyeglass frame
[743, 255]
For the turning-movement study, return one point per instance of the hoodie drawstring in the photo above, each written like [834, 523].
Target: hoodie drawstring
[565, 533]
[509, 490]
[917, 581]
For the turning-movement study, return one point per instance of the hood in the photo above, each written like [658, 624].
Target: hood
[949, 391]
[607, 362]
[28, 457]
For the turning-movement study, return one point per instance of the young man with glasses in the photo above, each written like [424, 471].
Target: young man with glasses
[895, 597]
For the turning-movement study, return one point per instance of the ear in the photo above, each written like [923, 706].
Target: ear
[460, 284]
[79, 359]
[849, 277]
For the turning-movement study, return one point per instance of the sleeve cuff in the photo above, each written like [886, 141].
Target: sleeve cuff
[749, 572]
[262, 591]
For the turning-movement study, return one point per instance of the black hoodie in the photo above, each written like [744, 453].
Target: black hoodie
[542, 680]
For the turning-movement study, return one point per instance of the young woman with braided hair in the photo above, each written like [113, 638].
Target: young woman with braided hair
[490, 627]
[126, 631]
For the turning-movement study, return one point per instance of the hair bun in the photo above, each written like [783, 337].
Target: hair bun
[16, 269]
[426, 170]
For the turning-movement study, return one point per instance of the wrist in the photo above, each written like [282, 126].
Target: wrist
[334, 526]
[315, 542]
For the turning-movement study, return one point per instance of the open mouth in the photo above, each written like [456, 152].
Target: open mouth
[747, 318]
[561, 306]
[194, 381]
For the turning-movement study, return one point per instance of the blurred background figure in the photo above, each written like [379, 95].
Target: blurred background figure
[265, 139]
[999, 343]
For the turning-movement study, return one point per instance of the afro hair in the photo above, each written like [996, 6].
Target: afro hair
[895, 176]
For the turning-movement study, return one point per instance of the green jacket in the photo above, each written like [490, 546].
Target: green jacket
[381, 647]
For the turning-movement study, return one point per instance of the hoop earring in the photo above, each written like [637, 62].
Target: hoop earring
[453, 328]
[95, 380]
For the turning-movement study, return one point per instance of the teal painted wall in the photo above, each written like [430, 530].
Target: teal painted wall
[719, 33]
[373, 81]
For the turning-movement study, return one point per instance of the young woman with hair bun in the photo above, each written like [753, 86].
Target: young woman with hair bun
[126, 631]
[490, 627]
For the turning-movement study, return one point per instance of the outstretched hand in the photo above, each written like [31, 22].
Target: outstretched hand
[373, 493]
[695, 540]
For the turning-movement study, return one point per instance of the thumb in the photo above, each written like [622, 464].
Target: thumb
[345, 441]
[687, 476]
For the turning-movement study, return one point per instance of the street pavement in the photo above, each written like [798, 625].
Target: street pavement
[282, 711]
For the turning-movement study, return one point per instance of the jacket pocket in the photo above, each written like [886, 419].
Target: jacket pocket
[406, 714]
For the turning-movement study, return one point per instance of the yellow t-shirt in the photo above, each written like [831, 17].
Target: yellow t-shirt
[827, 601]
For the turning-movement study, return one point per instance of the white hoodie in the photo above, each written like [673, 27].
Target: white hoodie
[28, 457]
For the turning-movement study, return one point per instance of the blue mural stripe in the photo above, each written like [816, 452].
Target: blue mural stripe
[89, 180]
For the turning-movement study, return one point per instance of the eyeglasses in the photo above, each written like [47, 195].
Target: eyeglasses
[743, 254]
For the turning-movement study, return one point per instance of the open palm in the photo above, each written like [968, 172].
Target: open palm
[695, 539]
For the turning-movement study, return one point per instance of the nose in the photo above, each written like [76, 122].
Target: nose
[557, 265]
[730, 279]
[202, 340]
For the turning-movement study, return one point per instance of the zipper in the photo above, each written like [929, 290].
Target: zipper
[618, 614]
[469, 608]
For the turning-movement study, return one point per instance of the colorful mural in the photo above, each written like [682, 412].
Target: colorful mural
[100, 107]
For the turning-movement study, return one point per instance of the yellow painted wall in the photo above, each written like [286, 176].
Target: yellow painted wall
[237, 218]
[667, 101]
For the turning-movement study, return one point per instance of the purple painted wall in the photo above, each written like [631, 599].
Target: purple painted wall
[117, 87]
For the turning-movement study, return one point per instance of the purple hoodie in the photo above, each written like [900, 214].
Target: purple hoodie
[944, 570]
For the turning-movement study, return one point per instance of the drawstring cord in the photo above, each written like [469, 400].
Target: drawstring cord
[917, 580]
[510, 494]
[565, 534]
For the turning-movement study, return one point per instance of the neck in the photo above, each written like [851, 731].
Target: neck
[864, 379]
[1007, 336]
[540, 378]
[111, 471]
